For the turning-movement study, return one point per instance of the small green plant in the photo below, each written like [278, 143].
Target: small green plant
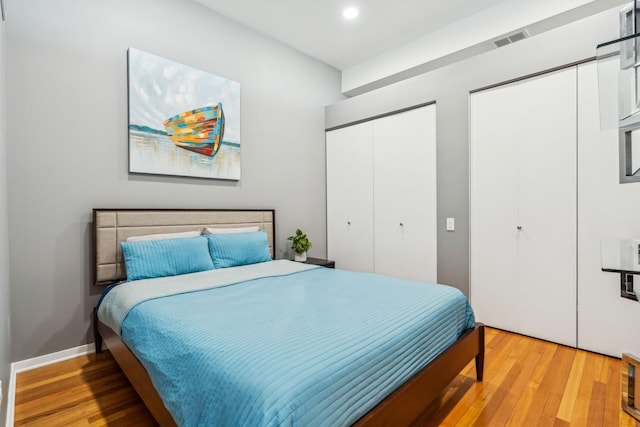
[299, 243]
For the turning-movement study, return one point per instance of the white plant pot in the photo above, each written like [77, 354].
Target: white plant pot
[300, 257]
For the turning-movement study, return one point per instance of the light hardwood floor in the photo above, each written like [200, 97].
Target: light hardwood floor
[527, 382]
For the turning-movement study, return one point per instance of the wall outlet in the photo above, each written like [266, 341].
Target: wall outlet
[451, 224]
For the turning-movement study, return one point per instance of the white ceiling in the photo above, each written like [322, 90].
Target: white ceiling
[317, 28]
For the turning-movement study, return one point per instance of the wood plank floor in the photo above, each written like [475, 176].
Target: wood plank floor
[527, 383]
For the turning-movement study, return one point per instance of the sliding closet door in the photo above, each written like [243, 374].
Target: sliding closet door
[350, 197]
[606, 323]
[547, 206]
[494, 207]
[523, 206]
[405, 214]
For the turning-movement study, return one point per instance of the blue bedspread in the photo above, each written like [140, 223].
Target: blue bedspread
[318, 347]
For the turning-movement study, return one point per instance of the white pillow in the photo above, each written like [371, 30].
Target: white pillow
[251, 229]
[181, 235]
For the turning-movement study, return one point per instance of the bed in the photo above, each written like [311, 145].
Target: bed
[318, 346]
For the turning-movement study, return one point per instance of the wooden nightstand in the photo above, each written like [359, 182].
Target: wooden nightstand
[323, 262]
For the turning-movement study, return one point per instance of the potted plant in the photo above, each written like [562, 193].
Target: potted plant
[300, 244]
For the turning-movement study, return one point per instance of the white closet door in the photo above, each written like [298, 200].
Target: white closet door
[547, 205]
[493, 207]
[405, 214]
[350, 197]
[606, 323]
[523, 206]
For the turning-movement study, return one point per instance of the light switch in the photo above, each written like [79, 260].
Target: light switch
[451, 224]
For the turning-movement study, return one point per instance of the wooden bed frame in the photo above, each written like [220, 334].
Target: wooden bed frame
[400, 408]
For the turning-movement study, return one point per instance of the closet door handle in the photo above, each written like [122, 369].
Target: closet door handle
[519, 227]
[401, 225]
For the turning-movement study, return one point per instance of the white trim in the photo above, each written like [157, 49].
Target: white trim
[38, 362]
[11, 397]
[49, 359]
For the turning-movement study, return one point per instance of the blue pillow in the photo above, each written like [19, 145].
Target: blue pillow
[167, 257]
[228, 250]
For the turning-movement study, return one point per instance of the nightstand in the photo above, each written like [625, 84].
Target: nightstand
[323, 262]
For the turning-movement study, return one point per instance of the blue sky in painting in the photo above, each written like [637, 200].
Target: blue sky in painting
[160, 88]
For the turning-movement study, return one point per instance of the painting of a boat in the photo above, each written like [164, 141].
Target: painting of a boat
[177, 126]
[200, 130]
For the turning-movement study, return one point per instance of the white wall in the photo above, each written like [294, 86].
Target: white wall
[465, 38]
[67, 133]
[5, 357]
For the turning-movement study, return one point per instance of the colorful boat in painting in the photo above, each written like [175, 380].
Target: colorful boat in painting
[200, 130]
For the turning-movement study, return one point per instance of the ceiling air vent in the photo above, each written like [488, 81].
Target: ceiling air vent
[511, 38]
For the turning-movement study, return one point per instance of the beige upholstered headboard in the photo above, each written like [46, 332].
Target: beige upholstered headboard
[112, 226]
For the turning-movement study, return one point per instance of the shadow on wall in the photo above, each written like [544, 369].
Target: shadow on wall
[91, 291]
[73, 323]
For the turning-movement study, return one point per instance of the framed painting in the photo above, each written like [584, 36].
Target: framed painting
[182, 121]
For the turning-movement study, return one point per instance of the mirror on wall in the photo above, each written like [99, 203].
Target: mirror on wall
[618, 64]
[619, 82]
[629, 150]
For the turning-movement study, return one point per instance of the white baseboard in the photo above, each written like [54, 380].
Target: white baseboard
[49, 359]
[11, 397]
[38, 362]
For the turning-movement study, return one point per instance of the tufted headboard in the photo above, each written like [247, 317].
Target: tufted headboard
[112, 226]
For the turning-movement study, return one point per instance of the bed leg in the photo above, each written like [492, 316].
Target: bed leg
[96, 335]
[480, 356]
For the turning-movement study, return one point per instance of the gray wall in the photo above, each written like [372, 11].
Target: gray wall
[5, 353]
[67, 115]
[449, 87]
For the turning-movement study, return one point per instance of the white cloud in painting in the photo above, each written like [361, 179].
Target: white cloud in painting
[160, 88]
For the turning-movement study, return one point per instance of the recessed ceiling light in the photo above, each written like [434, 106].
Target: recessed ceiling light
[350, 13]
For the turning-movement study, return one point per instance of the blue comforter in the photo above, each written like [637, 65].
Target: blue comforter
[317, 347]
